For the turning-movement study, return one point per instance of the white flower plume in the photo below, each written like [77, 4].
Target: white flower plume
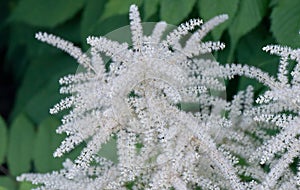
[154, 99]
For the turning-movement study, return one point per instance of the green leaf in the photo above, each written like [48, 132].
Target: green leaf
[273, 3]
[92, 12]
[111, 23]
[17, 54]
[46, 13]
[70, 31]
[8, 183]
[3, 188]
[249, 51]
[3, 140]
[118, 7]
[21, 140]
[150, 7]
[23, 48]
[46, 143]
[38, 106]
[26, 186]
[249, 14]
[175, 11]
[286, 22]
[211, 8]
[39, 90]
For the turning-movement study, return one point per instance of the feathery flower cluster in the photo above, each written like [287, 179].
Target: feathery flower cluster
[142, 101]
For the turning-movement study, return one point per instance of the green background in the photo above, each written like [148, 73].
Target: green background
[29, 69]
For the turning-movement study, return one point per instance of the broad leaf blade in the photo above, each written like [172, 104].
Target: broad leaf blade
[46, 13]
[150, 7]
[249, 51]
[21, 141]
[211, 8]
[175, 11]
[37, 108]
[92, 12]
[26, 186]
[46, 142]
[118, 7]
[8, 183]
[3, 188]
[111, 24]
[40, 83]
[249, 14]
[286, 22]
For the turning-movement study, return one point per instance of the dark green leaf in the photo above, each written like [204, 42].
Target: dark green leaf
[273, 3]
[111, 23]
[3, 140]
[39, 90]
[46, 143]
[46, 13]
[20, 145]
[70, 30]
[118, 7]
[286, 22]
[91, 15]
[249, 51]
[17, 54]
[38, 106]
[8, 183]
[211, 8]
[26, 186]
[175, 11]
[23, 47]
[249, 14]
[3, 188]
[150, 7]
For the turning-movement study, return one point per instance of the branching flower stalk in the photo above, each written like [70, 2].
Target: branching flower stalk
[138, 100]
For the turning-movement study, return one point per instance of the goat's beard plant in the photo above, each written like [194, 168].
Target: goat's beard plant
[138, 100]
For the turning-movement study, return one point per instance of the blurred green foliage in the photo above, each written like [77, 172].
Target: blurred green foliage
[30, 70]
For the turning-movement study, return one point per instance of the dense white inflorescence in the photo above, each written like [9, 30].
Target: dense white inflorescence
[141, 100]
